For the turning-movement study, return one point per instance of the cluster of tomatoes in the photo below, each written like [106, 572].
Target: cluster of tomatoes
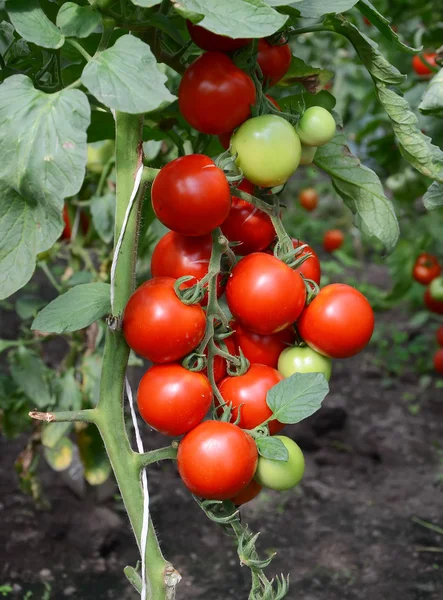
[427, 271]
[218, 458]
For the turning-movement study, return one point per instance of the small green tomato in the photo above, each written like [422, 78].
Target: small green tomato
[303, 359]
[278, 474]
[307, 154]
[316, 127]
[436, 289]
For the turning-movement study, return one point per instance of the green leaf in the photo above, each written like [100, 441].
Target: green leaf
[77, 308]
[432, 101]
[77, 21]
[52, 433]
[93, 455]
[17, 47]
[43, 150]
[305, 100]
[102, 126]
[33, 25]
[271, 447]
[313, 9]
[297, 397]
[28, 306]
[30, 374]
[434, 196]
[234, 18]
[5, 344]
[361, 191]
[126, 77]
[312, 78]
[60, 456]
[383, 25]
[146, 3]
[103, 210]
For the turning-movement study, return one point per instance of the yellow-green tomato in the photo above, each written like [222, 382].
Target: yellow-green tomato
[316, 127]
[307, 154]
[436, 289]
[278, 474]
[303, 359]
[98, 155]
[268, 150]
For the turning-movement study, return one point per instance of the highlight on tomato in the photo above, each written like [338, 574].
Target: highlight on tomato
[278, 474]
[274, 61]
[207, 40]
[262, 349]
[426, 268]
[308, 198]
[333, 240]
[303, 359]
[316, 126]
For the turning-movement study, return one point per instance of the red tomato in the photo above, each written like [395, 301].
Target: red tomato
[178, 255]
[158, 326]
[67, 231]
[172, 399]
[206, 40]
[215, 96]
[438, 360]
[435, 306]
[333, 240]
[274, 61]
[219, 362]
[420, 67]
[274, 101]
[426, 268]
[247, 224]
[217, 460]
[338, 323]
[249, 493]
[310, 269]
[264, 294]
[249, 391]
[191, 196]
[308, 199]
[262, 349]
[439, 335]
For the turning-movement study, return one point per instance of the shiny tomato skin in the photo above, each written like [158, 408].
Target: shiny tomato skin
[172, 399]
[311, 268]
[420, 67]
[250, 492]
[439, 335]
[303, 359]
[438, 361]
[158, 326]
[274, 61]
[247, 224]
[338, 323]
[262, 349]
[215, 96]
[316, 127]
[426, 268]
[217, 460]
[333, 240]
[264, 294]
[434, 306]
[220, 369]
[207, 40]
[191, 196]
[278, 474]
[307, 154]
[249, 391]
[308, 198]
[274, 101]
[178, 255]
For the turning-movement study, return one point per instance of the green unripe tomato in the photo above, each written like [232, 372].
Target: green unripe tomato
[303, 359]
[268, 149]
[436, 289]
[278, 474]
[98, 155]
[307, 154]
[316, 127]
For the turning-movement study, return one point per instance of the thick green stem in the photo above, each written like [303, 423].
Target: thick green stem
[168, 453]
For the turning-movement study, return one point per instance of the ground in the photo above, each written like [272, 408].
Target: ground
[348, 532]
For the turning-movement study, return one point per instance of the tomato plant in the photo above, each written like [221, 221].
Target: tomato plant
[278, 474]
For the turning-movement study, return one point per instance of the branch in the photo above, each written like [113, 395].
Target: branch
[86, 416]
[147, 458]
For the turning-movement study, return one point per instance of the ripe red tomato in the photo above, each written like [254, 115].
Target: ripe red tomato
[308, 199]
[217, 460]
[420, 67]
[247, 224]
[433, 305]
[219, 362]
[426, 268]
[172, 399]
[333, 240]
[439, 335]
[264, 294]
[67, 231]
[191, 196]
[215, 96]
[438, 360]
[158, 326]
[249, 493]
[206, 40]
[310, 269]
[178, 255]
[249, 391]
[262, 349]
[338, 323]
[274, 61]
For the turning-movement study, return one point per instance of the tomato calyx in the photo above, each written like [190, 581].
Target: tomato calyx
[312, 289]
[226, 162]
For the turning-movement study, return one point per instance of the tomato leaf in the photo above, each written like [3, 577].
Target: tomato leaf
[60, 456]
[102, 211]
[93, 455]
[77, 21]
[234, 18]
[434, 196]
[31, 375]
[312, 78]
[313, 9]
[43, 150]
[297, 397]
[304, 100]
[52, 433]
[77, 308]
[271, 447]
[33, 25]
[361, 191]
[70, 397]
[146, 3]
[432, 101]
